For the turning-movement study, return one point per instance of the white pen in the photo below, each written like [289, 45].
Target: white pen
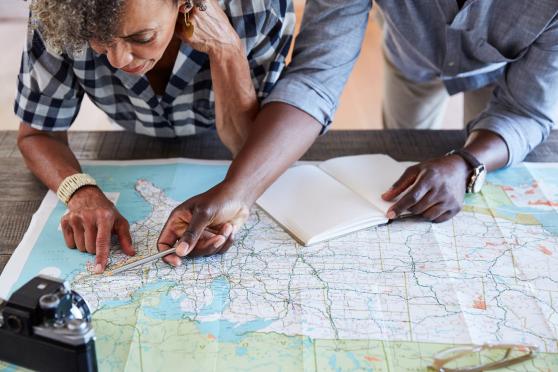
[141, 261]
[149, 258]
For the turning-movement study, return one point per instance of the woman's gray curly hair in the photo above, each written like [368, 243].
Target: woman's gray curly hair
[68, 25]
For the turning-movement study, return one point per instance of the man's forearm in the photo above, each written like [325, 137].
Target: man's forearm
[489, 148]
[280, 135]
[47, 155]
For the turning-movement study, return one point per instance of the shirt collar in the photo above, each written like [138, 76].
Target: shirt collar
[188, 63]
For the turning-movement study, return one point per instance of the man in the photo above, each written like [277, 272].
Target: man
[503, 54]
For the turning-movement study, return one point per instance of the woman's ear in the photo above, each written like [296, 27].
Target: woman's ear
[185, 6]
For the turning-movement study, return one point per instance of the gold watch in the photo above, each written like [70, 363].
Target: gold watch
[477, 176]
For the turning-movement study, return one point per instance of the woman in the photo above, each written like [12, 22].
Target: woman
[163, 68]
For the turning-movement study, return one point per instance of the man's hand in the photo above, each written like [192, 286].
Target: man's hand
[433, 189]
[204, 225]
[436, 188]
[90, 223]
[281, 134]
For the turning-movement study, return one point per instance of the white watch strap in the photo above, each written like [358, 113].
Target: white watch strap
[72, 183]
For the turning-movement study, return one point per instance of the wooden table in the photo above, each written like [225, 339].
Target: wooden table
[21, 193]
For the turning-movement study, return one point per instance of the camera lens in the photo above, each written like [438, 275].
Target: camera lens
[14, 324]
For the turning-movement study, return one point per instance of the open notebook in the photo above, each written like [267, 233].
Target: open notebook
[333, 198]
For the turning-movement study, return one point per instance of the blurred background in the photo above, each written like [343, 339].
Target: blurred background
[360, 106]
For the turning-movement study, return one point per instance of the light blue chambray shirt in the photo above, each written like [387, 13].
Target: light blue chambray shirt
[512, 44]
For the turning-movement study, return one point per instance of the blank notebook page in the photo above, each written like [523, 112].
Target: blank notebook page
[367, 175]
[312, 205]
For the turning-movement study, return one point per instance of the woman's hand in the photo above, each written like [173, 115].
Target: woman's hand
[90, 223]
[433, 189]
[213, 33]
[204, 225]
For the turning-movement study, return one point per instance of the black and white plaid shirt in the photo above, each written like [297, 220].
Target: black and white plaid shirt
[51, 87]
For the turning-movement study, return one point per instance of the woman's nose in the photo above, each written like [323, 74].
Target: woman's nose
[119, 56]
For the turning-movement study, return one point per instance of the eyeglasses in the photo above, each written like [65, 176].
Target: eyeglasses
[478, 358]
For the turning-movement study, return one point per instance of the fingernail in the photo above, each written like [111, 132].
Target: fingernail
[98, 269]
[182, 249]
[391, 215]
[219, 242]
[228, 230]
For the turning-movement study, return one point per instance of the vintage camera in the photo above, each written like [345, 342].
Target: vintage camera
[46, 326]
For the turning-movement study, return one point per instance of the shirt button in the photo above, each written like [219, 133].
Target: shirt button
[451, 64]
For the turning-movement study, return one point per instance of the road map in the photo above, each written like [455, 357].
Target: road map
[384, 299]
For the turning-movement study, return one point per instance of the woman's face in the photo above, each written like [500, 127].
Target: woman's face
[145, 32]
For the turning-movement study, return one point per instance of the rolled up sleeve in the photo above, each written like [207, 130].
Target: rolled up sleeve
[523, 107]
[48, 94]
[325, 52]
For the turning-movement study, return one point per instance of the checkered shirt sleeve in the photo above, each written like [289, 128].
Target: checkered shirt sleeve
[48, 93]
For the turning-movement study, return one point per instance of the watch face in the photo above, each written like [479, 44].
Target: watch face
[478, 181]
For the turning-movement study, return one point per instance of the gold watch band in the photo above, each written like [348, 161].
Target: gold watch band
[71, 184]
